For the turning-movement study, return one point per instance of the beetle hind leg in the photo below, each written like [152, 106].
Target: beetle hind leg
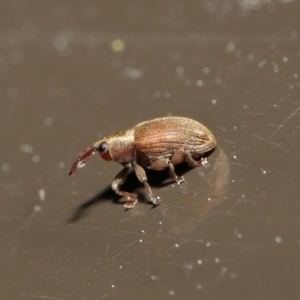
[178, 179]
[184, 155]
[163, 163]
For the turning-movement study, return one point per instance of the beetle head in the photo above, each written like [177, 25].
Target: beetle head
[118, 147]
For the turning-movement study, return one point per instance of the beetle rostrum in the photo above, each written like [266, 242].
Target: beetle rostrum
[156, 144]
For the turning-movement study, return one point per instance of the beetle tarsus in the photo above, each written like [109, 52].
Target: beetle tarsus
[130, 204]
[179, 179]
[156, 201]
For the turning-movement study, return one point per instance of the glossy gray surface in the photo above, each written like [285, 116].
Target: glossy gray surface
[74, 71]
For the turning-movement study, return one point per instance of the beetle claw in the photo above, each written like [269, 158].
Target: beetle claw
[179, 179]
[130, 204]
[156, 201]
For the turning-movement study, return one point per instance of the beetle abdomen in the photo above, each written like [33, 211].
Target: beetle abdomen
[164, 136]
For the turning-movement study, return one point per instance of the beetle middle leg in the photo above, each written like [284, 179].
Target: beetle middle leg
[141, 175]
[118, 180]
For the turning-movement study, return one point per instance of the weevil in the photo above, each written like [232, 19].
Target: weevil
[156, 144]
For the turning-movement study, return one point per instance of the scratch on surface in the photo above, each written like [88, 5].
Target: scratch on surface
[128, 246]
[283, 98]
[44, 297]
[290, 116]
[266, 140]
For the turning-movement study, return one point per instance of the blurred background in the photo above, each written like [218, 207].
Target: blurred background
[74, 71]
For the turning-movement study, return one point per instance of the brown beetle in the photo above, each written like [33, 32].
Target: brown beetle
[156, 144]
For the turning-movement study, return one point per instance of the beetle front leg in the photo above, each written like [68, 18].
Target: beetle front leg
[118, 180]
[141, 175]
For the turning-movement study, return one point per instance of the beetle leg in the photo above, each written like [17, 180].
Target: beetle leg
[183, 155]
[118, 180]
[163, 163]
[141, 175]
[173, 175]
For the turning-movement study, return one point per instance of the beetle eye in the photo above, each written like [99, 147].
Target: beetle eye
[102, 147]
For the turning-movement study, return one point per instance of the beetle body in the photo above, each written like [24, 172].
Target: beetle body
[156, 144]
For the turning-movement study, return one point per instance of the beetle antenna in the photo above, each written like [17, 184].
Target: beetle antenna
[82, 159]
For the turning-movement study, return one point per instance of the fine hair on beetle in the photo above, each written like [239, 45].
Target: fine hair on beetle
[156, 144]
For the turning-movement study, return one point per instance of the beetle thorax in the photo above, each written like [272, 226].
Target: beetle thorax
[121, 146]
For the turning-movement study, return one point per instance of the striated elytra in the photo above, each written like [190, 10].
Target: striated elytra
[156, 144]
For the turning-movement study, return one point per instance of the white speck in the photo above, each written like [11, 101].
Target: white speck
[264, 172]
[5, 167]
[42, 194]
[208, 244]
[199, 286]
[48, 121]
[37, 208]
[143, 231]
[121, 267]
[235, 128]
[237, 233]
[133, 73]
[171, 293]
[26, 148]
[113, 286]
[160, 222]
[199, 262]
[117, 45]
[36, 158]
[214, 101]
[262, 63]
[199, 82]
[234, 157]
[230, 47]
[176, 246]
[61, 44]
[179, 70]
[61, 165]
[294, 34]
[167, 94]
[295, 75]
[209, 199]
[285, 59]
[206, 70]
[217, 260]
[141, 241]
[223, 271]
[278, 239]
